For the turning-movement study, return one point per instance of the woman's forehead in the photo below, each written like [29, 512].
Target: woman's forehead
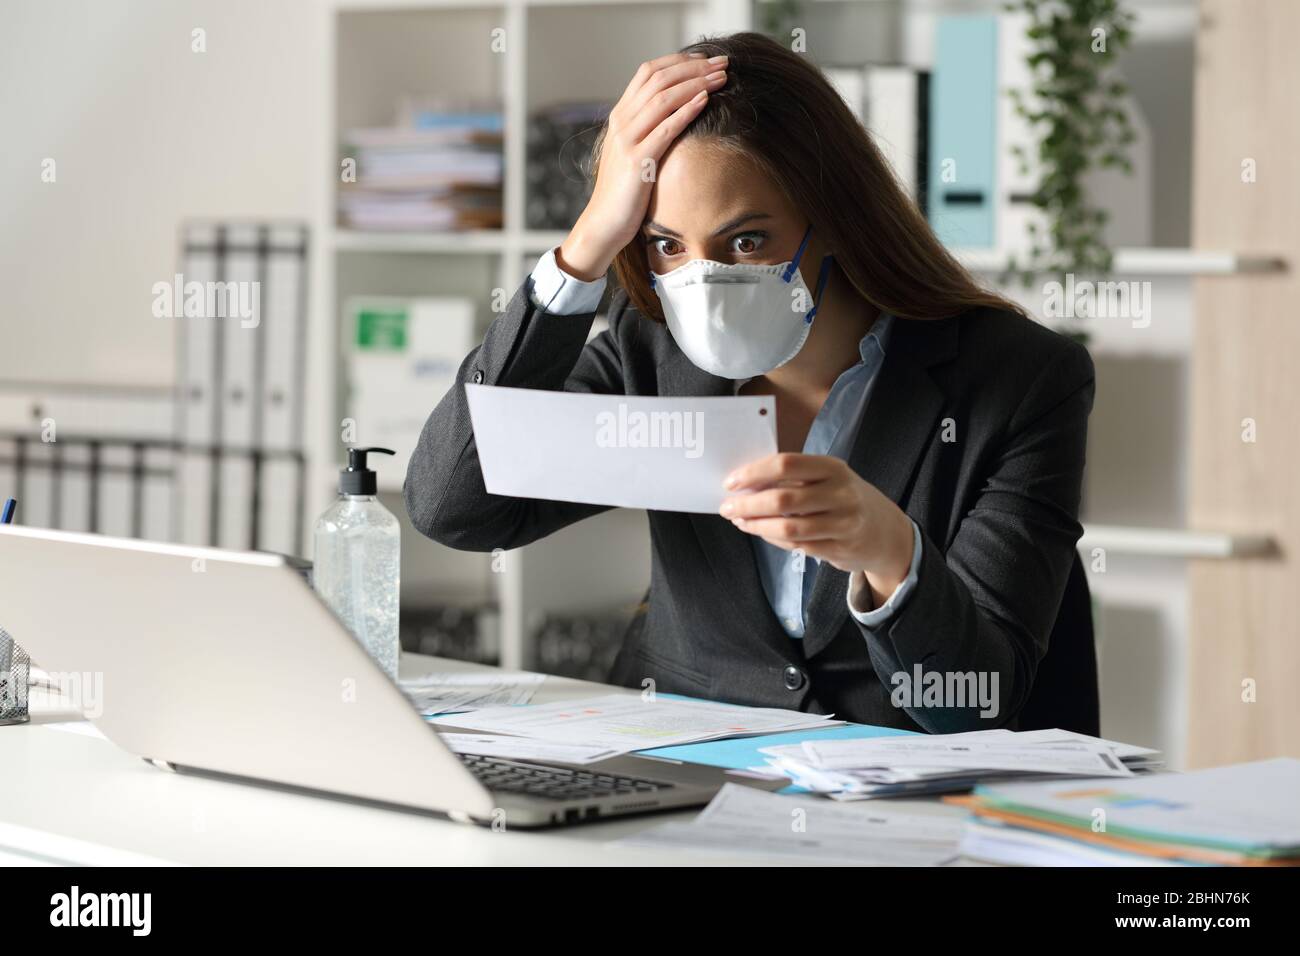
[699, 185]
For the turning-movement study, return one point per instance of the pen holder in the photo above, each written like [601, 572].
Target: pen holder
[15, 667]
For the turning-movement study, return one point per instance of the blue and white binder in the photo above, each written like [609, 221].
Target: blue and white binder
[963, 146]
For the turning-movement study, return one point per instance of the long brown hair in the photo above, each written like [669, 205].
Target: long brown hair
[781, 112]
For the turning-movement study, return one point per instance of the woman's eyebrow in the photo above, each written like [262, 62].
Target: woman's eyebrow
[652, 226]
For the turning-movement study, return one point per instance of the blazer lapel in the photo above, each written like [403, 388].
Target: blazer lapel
[896, 427]
[729, 550]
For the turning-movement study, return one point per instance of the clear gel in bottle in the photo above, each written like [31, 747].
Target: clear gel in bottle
[357, 561]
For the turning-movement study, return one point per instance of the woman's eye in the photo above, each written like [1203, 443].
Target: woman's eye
[747, 243]
[665, 247]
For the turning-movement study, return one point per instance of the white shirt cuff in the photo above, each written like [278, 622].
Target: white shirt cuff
[858, 584]
[555, 291]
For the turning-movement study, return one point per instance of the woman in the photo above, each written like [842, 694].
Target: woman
[902, 558]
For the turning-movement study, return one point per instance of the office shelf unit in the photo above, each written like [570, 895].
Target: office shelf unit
[1174, 542]
[527, 55]
[1135, 502]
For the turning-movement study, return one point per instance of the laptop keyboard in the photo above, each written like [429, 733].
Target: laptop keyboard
[554, 783]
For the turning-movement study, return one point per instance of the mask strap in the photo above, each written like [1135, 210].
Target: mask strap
[794, 263]
[822, 276]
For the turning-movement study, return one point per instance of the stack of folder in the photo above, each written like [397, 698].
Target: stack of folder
[917, 765]
[442, 172]
[1241, 815]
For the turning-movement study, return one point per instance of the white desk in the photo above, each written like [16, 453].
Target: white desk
[74, 798]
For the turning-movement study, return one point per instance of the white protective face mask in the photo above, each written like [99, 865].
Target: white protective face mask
[738, 320]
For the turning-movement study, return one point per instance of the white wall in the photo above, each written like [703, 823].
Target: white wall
[145, 133]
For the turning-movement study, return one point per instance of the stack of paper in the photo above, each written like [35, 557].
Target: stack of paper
[747, 821]
[623, 723]
[448, 693]
[859, 769]
[1242, 815]
[438, 172]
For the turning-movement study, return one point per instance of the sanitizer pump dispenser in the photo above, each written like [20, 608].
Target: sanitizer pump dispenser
[358, 553]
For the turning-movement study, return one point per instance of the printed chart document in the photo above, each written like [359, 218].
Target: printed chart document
[1080, 758]
[629, 451]
[808, 829]
[1131, 754]
[623, 723]
[444, 693]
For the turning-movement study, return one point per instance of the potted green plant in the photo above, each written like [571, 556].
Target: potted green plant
[1075, 109]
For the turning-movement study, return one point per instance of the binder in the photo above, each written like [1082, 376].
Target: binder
[281, 521]
[196, 398]
[105, 437]
[1016, 211]
[897, 107]
[284, 304]
[156, 493]
[850, 83]
[239, 426]
[963, 106]
[114, 499]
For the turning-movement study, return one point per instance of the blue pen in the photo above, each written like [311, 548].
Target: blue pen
[7, 515]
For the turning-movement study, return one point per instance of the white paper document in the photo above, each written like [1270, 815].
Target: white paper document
[629, 451]
[445, 693]
[743, 820]
[865, 769]
[1121, 750]
[624, 723]
[524, 748]
[1081, 758]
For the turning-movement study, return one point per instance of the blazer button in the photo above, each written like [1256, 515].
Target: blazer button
[794, 678]
[478, 376]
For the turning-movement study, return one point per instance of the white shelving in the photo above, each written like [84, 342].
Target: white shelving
[1174, 542]
[476, 242]
[550, 55]
[1149, 262]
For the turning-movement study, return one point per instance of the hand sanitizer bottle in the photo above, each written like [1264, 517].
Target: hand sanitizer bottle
[357, 560]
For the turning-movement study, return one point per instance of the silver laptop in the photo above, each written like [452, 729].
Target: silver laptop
[227, 663]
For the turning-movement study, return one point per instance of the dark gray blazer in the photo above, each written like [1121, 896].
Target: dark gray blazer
[976, 428]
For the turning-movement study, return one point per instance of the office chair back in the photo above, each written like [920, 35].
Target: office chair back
[1065, 692]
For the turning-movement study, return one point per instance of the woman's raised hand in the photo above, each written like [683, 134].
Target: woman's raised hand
[662, 99]
[822, 507]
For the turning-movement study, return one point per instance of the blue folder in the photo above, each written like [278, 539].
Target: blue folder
[963, 116]
[741, 753]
